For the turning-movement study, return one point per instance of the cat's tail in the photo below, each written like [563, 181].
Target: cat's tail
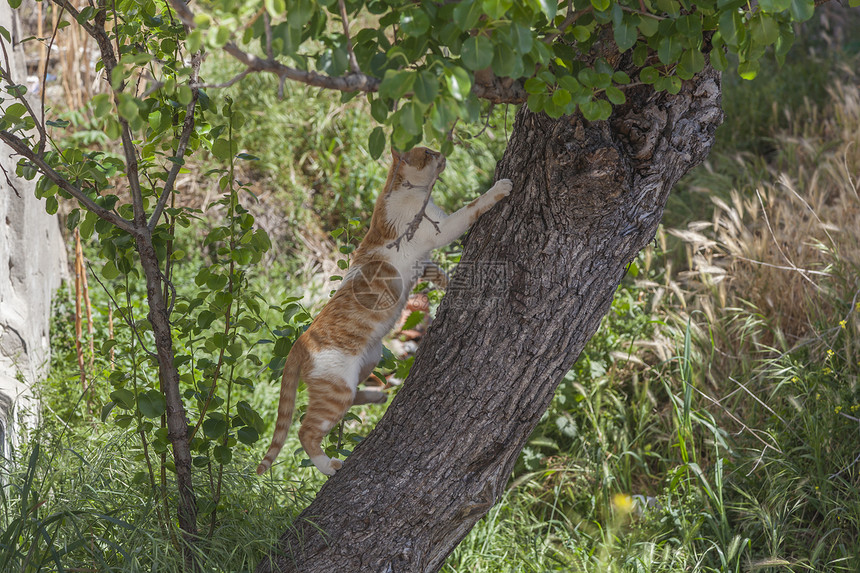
[286, 404]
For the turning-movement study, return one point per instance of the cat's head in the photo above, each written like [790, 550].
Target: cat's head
[419, 166]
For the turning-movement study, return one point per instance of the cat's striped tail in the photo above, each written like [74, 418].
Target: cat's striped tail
[286, 405]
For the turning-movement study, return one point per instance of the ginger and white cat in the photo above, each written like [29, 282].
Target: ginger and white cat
[344, 343]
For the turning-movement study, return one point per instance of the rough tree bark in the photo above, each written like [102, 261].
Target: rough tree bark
[537, 275]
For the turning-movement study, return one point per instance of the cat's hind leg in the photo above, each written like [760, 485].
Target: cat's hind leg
[329, 401]
[369, 362]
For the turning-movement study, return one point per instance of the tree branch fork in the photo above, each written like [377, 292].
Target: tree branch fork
[496, 90]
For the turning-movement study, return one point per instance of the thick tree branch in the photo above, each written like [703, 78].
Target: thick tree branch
[22, 149]
[351, 82]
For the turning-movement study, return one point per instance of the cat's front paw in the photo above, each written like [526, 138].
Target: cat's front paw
[501, 189]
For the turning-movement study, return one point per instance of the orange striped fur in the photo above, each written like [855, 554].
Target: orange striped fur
[344, 343]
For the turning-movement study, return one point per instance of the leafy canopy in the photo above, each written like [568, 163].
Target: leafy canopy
[429, 63]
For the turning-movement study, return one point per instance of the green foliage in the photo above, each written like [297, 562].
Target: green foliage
[430, 55]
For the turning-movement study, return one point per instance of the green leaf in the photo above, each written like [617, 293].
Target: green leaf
[221, 149]
[184, 95]
[459, 82]
[214, 428]
[379, 110]
[774, 5]
[275, 7]
[763, 29]
[5, 33]
[127, 107]
[853, 3]
[496, 9]
[101, 105]
[376, 142]
[51, 205]
[426, 87]
[620, 77]
[802, 10]
[467, 14]
[648, 26]
[151, 404]
[504, 60]
[109, 270]
[443, 114]
[222, 454]
[477, 52]
[248, 435]
[600, 5]
[669, 49]
[300, 12]
[15, 111]
[671, 7]
[581, 33]
[719, 60]
[731, 27]
[648, 75]
[625, 34]
[107, 345]
[615, 95]
[549, 8]
[693, 61]
[249, 415]
[106, 410]
[414, 22]
[535, 86]
[57, 123]
[124, 398]
[749, 70]
[14, 4]
[785, 40]
[411, 118]
[413, 320]
[596, 110]
[536, 102]
[521, 38]
[561, 97]
[282, 346]
[690, 26]
[395, 83]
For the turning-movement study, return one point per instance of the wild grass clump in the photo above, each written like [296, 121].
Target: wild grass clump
[75, 504]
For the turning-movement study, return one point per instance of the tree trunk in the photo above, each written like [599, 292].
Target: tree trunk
[537, 275]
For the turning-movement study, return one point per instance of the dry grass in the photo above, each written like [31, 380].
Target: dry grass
[781, 258]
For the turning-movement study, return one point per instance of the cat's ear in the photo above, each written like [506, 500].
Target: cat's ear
[395, 155]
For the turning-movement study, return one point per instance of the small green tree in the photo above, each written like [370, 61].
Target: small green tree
[621, 98]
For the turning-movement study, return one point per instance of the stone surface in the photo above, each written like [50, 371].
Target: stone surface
[32, 265]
